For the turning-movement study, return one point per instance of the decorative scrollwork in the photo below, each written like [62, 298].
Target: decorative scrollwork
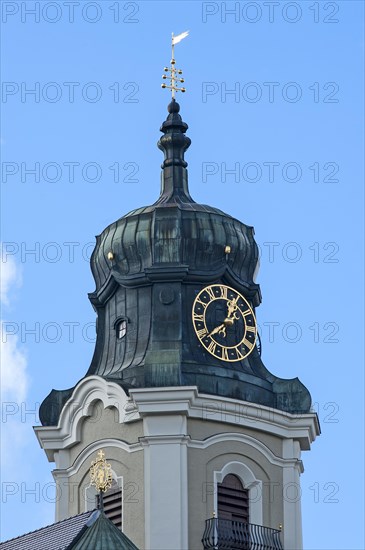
[101, 473]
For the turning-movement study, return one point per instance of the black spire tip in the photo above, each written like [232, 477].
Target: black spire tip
[174, 142]
[173, 106]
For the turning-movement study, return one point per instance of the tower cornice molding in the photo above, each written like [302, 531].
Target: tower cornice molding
[169, 273]
[185, 401]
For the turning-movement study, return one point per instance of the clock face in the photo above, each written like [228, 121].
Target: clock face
[224, 323]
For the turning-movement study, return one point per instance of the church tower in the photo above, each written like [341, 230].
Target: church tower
[203, 441]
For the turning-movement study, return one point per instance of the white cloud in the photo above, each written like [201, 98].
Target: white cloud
[14, 379]
[13, 370]
[13, 359]
[10, 277]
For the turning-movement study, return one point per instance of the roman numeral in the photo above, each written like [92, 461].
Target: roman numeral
[250, 328]
[212, 347]
[202, 332]
[198, 317]
[225, 354]
[210, 293]
[224, 292]
[239, 354]
[247, 312]
[247, 343]
[204, 304]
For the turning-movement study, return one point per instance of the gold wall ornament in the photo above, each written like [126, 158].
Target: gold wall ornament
[101, 473]
[175, 74]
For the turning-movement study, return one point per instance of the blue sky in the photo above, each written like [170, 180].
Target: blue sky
[292, 132]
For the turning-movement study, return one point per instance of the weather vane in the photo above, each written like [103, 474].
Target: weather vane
[175, 74]
[101, 475]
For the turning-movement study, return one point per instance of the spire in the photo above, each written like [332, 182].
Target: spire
[174, 143]
[100, 532]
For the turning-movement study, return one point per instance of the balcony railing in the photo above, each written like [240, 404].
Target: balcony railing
[223, 534]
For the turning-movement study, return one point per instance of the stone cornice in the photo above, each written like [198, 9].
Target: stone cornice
[184, 401]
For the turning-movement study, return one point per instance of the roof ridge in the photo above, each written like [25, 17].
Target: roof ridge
[46, 526]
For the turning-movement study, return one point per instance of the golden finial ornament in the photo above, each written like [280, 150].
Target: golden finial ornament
[101, 473]
[171, 73]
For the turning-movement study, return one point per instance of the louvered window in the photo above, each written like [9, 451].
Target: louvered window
[112, 500]
[233, 500]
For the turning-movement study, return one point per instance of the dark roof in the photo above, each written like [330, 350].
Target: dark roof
[100, 533]
[82, 532]
[57, 536]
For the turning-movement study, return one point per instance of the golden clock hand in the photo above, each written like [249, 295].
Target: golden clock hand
[231, 316]
[231, 306]
[220, 328]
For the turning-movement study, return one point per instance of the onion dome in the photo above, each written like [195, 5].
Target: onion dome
[150, 267]
[175, 230]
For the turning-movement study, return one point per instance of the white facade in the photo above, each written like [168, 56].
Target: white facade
[169, 448]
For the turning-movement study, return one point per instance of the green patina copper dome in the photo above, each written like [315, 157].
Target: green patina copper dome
[175, 230]
[149, 267]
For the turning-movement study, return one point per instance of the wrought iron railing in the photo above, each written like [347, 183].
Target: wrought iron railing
[223, 534]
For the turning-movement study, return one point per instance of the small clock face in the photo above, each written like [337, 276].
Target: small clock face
[224, 323]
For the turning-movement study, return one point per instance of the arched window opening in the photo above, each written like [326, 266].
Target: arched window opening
[233, 500]
[121, 328]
